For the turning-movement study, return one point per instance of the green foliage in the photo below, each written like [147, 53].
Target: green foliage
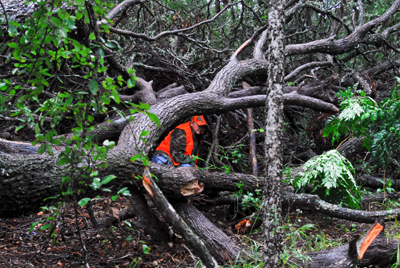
[300, 239]
[146, 249]
[332, 177]
[43, 49]
[249, 199]
[379, 123]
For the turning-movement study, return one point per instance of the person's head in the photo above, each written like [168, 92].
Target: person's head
[199, 124]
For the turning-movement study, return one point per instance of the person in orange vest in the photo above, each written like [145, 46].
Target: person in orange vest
[182, 144]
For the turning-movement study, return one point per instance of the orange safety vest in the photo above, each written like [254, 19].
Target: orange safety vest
[165, 145]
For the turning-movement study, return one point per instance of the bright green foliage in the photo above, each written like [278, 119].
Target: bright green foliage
[379, 123]
[332, 177]
[45, 51]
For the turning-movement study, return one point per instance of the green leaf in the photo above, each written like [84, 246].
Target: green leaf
[78, 15]
[83, 201]
[110, 45]
[19, 128]
[154, 118]
[33, 226]
[144, 106]
[49, 149]
[93, 86]
[92, 36]
[13, 45]
[115, 95]
[64, 161]
[146, 249]
[42, 149]
[57, 21]
[107, 179]
[144, 133]
[12, 30]
[145, 161]
[134, 158]
[131, 82]
[109, 144]
[65, 180]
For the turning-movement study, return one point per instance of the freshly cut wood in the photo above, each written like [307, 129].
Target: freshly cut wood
[372, 250]
[176, 221]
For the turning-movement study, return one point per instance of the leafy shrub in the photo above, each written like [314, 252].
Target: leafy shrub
[379, 123]
[332, 178]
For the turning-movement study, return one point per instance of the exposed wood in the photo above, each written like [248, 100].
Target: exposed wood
[150, 224]
[176, 221]
[378, 254]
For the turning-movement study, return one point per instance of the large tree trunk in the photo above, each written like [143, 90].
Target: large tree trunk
[272, 214]
[218, 243]
[28, 179]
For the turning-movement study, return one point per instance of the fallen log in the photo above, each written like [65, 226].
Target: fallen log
[372, 250]
[376, 182]
[26, 180]
[218, 243]
[176, 221]
[314, 202]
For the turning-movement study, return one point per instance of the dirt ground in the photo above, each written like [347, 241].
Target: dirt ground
[121, 246]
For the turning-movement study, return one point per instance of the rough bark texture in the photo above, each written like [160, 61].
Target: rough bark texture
[314, 202]
[351, 147]
[217, 242]
[375, 182]
[176, 221]
[25, 180]
[148, 221]
[273, 131]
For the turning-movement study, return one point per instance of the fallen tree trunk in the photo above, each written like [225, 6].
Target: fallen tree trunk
[217, 242]
[376, 182]
[176, 221]
[378, 254]
[25, 180]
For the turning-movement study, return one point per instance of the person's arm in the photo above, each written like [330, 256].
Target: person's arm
[178, 146]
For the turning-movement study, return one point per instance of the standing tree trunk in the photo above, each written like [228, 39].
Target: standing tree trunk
[273, 136]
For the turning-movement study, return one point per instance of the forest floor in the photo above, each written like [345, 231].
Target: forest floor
[121, 246]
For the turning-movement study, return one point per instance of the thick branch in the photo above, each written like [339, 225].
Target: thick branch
[167, 33]
[342, 45]
[314, 202]
[176, 221]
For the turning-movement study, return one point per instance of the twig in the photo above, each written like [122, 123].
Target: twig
[5, 262]
[337, 148]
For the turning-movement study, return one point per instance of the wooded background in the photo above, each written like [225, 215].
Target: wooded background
[89, 88]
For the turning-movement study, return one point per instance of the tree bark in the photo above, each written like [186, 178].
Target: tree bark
[272, 215]
[176, 221]
[314, 202]
[217, 242]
